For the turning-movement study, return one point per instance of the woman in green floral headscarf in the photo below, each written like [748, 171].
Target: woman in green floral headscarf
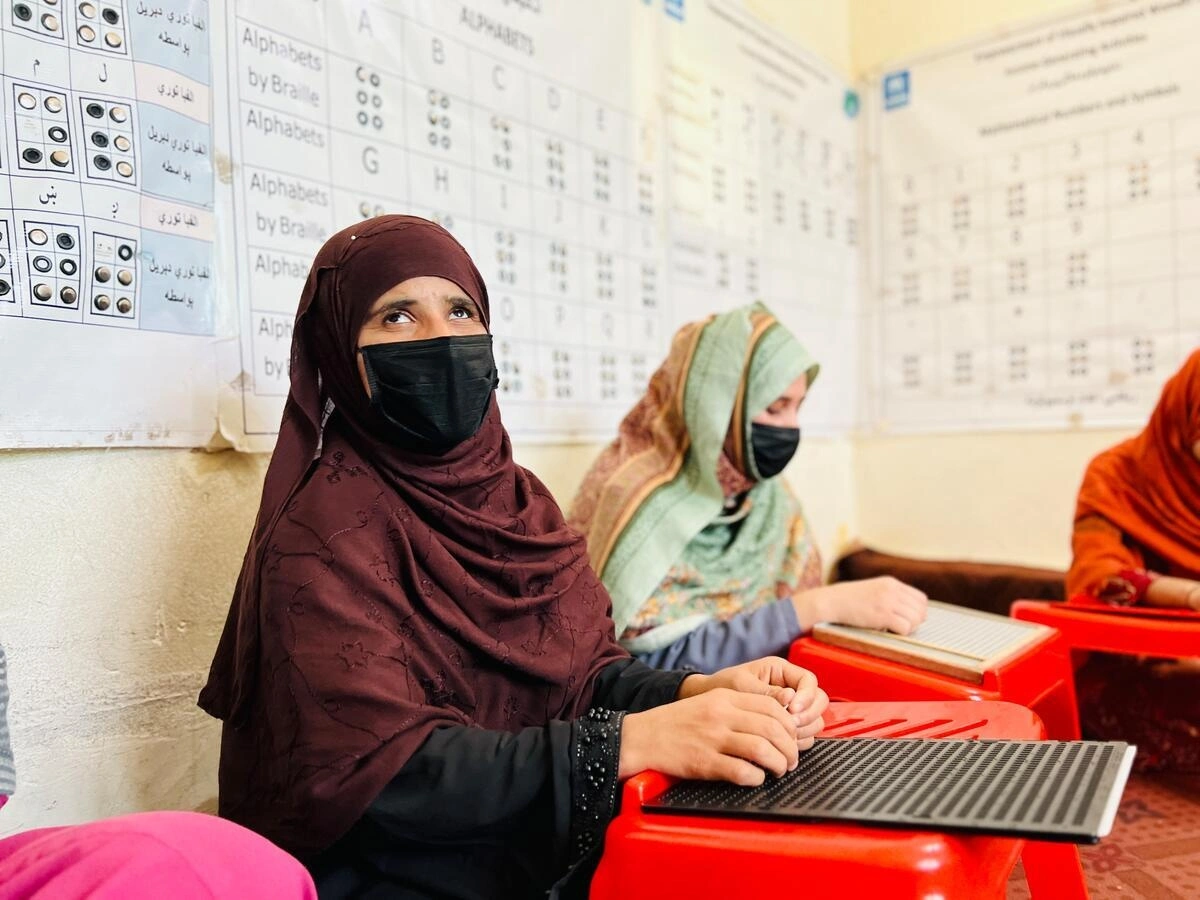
[706, 553]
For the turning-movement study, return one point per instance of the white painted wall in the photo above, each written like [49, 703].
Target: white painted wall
[983, 497]
[887, 31]
[118, 567]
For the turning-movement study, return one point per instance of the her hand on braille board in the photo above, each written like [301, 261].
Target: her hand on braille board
[735, 725]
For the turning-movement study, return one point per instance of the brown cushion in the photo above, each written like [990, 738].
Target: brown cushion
[987, 586]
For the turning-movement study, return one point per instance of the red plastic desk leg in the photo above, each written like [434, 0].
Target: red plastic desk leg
[1054, 871]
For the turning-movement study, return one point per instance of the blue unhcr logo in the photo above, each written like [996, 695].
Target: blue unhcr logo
[675, 9]
[896, 90]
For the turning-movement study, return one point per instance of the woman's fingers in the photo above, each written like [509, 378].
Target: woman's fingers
[906, 614]
[734, 770]
[773, 676]
[803, 682]
[759, 750]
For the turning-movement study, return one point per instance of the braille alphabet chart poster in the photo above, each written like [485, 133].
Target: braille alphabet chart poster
[1036, 223]
[615, 170]
[107, 285]
[168, 169]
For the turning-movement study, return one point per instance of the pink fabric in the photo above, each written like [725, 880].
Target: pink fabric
[181, 855]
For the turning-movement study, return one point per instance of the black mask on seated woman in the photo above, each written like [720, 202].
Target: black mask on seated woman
[435, 392]
[773, 447]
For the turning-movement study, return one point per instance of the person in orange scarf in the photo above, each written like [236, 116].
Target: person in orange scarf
[1137, 523]
[1137, 541]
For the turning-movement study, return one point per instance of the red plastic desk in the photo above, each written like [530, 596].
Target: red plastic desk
[661, 857]
[1130, 630]
[1041, 678]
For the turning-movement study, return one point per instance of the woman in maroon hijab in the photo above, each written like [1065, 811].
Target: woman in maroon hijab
[419, 681]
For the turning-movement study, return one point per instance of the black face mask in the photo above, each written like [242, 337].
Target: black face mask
[434, 393]
[773, 448]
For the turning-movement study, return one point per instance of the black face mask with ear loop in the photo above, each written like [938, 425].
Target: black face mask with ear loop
[434, 393]
[773, 448]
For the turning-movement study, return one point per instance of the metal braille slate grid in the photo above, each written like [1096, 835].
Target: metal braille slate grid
[1045, 790]
[970, 635]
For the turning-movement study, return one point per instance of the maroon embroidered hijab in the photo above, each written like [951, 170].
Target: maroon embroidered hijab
[384, 593]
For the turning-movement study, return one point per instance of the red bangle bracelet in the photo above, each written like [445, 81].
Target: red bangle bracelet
[1127, 587]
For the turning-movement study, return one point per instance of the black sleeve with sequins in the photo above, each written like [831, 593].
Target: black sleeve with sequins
[543, 796]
